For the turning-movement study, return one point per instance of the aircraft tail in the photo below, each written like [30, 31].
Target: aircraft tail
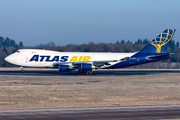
[160, 43]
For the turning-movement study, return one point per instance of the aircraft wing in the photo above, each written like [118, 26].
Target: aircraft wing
[96, 64]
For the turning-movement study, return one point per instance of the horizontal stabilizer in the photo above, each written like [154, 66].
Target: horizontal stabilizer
[158, 56]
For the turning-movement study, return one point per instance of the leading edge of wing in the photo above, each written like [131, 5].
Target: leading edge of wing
[76, 63]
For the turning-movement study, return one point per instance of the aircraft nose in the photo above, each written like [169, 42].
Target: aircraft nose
[9, 59]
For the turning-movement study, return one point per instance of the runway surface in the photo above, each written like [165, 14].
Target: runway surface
[55, 72]
[157, 112]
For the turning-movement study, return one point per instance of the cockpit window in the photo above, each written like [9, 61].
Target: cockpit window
[18, 51]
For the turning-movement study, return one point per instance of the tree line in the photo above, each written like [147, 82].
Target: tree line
[7, 42]
[8, 46]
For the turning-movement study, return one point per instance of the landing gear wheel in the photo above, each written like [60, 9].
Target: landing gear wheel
[22, 71]
[90, 72]
[79, 72]
[87, 72]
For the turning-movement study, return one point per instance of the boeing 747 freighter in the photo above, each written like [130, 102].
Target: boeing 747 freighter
[85, 62]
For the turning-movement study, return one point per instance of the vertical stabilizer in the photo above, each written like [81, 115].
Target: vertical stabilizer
[160, 43]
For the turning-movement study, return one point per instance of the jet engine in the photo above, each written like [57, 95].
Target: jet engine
[64, 68]
[86, 66]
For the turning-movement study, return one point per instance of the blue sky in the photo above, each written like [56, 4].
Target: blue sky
[82, 21]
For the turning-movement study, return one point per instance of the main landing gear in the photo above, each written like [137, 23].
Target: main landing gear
[87, 72]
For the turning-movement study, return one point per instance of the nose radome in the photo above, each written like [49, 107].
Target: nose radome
[8, 59]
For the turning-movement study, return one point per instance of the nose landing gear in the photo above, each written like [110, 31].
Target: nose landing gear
[22, 70]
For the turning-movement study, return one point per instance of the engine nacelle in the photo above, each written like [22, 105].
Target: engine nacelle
[64, 68]
[86, 66]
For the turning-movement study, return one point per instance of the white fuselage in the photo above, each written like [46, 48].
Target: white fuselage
[47, 58]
